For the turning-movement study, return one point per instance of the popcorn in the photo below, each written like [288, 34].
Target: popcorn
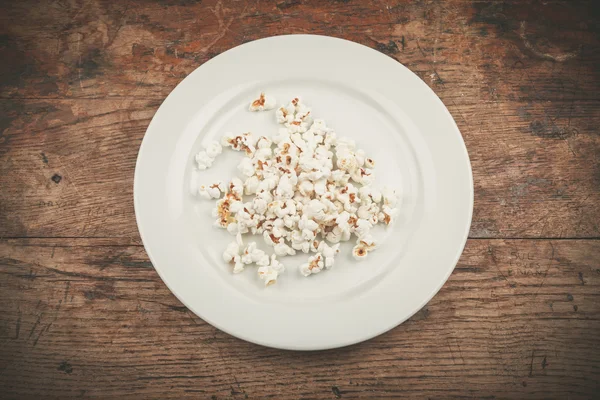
[271, 272]
[359, 252]
[309, 189]
[211, 192]
[246, 167]
[315, 209]
[282, 135]
[264, 143]
[236, 187]
[387, 214]
[362, 175]
[261, 202]
[262, 103]
[213, 149]
[320, 187]
[390, 198]
[232, 255]
[339, 177]
[203, 160]
[231, 252]
[313, 266]
[369, 211]
[251, 185]
[362, 227]
[329, 252]
[363, 247]
[244, 142]
[285, 189]
[369, 194]
[253, 255]
[285, 113]
[282, 249]
[233, 228]
[222, 212]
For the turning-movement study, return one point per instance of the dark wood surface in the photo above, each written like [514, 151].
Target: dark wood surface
[84, 314]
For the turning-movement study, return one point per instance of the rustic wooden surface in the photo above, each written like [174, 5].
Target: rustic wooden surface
[82, 311]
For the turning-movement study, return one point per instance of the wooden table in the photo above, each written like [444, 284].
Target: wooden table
[84, 314]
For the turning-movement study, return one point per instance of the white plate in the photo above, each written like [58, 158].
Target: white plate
[393, 115]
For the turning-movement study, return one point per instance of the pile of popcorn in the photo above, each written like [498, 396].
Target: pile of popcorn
[306, 190]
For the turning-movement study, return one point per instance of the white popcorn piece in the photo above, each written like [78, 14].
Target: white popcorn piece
[297, 125]
[314, 265]
[359, 155]
[262, 103]
[263, 261]
[369, 163]
[320, 187]
[264, 143]
[283, 135]
[285, 114]
[346, 161]
[260, 204]
[368, 242]
[246, 167]
[315, 209]
[244, 142]
[269, 273]
[213, 149]
[369, 211]
[236, 187]
[238, 266]
[363, 246]
[212, 191]
[362, 227]
[232, 250]
[232, 256]
[387, 214]
[251, 185]
[328, 252]
[222, 212]
[390, 197]
[233, 228]
[362, 175]
[330, 139]
[359, 252]
[335, 235]
[282, 249]
[203, 160]
[285, 189]
[253, 255]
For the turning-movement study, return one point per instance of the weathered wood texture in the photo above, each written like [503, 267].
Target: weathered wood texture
[92, 317]
[82, 312]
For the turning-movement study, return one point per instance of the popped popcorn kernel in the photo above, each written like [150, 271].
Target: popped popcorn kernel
[262, 103]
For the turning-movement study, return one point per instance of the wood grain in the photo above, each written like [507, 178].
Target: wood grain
[466, 49]
[517, 318]
[84, 314]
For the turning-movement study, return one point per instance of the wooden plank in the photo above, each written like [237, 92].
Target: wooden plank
[464, 49]
[517, 319]
[66, 167]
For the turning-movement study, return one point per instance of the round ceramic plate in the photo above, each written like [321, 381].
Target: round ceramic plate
[393, 115]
